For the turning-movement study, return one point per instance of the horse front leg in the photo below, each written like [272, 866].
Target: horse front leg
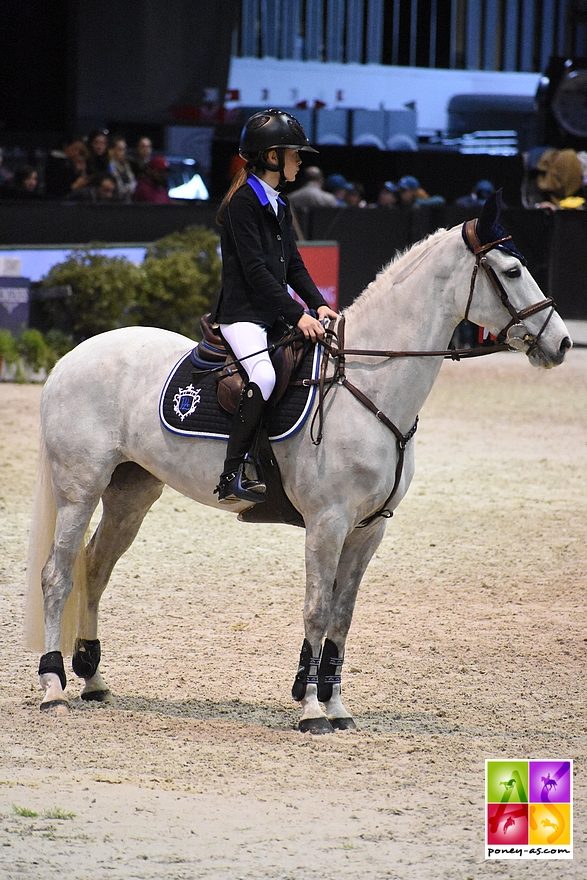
[323, 548]
[356, 554]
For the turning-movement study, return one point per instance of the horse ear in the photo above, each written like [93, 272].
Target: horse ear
[489, 218]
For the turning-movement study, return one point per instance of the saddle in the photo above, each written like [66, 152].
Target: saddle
[286, 358]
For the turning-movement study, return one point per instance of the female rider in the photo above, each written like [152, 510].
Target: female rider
[259, 260]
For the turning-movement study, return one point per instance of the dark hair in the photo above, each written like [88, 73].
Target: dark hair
[23, 173]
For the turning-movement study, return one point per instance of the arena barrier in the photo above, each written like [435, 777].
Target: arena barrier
[553, 242]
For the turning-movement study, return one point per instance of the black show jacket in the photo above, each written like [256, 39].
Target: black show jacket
[259, 259]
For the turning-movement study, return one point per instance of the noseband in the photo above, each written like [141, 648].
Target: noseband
[514, 333]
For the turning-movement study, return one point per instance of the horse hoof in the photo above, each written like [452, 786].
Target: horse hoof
[343, 723]
[56, 707]
[97, 696]
[317, 726]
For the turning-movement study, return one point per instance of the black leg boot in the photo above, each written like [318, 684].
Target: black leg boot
[233, 484]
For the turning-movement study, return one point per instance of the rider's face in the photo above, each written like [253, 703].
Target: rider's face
[292, 164]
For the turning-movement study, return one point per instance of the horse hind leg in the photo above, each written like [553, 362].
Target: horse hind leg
[57, 580]
[125, 502]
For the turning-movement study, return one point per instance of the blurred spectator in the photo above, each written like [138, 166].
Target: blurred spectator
[558, 180]
[102, 188]
[355, 195]
[98, 159]
[311, 194]
[338, 185]
[411, 193]
[153, 185]
[120, 167]
[6, 174]
[66, 169]
[141, 155]
[24, 185]
[387, 197]
[482, 191]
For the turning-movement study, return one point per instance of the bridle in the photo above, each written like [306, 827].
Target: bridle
[513, 336]
[514, 333]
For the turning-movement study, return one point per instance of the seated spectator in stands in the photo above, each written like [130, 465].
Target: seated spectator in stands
[312, 194]
[387, 197]
[141, 155]
[338, 186]
[24, 185]
[559, 180]
[102, 188]
[412, 194]
[66, 169]
[6, 174]
[98, 158]
[355, 195]
[119, 166]
[482, 191]
[153, 185]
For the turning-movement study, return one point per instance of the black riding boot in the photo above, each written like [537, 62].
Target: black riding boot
[233, 484]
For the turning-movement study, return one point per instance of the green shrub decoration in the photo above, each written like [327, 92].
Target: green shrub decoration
[8, 349]
[177, 282]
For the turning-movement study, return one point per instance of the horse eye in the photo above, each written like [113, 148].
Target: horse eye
[514, 272]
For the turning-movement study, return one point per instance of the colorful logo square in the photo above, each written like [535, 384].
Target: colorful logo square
[507, 824]
[507, 782]
[528, 809]
[550, 824]
[550, 782]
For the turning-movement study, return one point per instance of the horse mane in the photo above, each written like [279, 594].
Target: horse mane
[399, 267]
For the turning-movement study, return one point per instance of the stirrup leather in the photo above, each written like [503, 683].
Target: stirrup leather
[235, 486]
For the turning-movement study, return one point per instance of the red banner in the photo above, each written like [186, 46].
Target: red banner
[321, 261]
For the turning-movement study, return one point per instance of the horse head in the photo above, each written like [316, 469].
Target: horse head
[534, 326]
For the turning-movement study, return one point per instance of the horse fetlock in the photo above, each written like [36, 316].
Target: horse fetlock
[329, 671]
[307, 673]
[52, 664]
[86, 658]
[54, 699]
[96, 690]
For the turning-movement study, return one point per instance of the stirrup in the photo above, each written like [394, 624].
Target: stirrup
[234, 486]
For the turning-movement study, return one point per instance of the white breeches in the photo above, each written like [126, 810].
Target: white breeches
[245, 338]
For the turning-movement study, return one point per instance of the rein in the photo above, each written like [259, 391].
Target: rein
[517, 340]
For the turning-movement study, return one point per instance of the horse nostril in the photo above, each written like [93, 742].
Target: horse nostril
[565, 345]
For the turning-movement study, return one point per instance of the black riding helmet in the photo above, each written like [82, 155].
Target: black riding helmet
[272, 130]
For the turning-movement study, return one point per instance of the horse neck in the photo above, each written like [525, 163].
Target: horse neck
[410, 306]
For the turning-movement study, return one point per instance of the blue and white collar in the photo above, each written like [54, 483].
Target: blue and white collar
[265, 193]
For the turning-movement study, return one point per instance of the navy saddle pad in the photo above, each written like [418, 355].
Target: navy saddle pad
[189, 406]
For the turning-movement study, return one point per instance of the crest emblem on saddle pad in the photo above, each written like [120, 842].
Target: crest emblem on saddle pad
[185, 401]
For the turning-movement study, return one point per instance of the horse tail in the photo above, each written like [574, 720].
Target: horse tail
[41, 536]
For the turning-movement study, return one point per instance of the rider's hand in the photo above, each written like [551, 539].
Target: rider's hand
[326, 312]
[310, 327]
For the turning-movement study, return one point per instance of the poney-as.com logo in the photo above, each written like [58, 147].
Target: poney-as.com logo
[528, 809]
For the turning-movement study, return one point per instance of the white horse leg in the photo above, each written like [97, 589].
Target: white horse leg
[57, 581]
[129, 495]
[323, 546]
[357, 552]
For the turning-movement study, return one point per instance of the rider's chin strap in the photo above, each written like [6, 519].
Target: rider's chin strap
[261, 162]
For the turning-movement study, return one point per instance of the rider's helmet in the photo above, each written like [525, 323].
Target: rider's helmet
[272, 130]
